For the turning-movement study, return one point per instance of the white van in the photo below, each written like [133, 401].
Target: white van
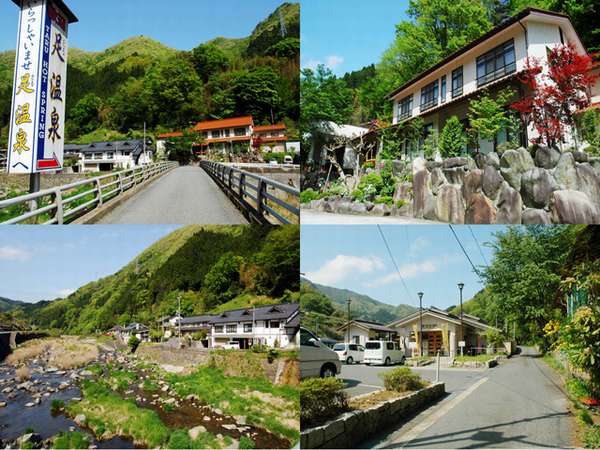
[316, 359]
[383, 352]
[349, 353]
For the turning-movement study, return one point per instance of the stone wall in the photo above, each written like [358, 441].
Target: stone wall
[348, 430]
[514, 188]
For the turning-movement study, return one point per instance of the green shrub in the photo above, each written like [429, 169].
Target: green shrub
[388, 179]
[308, 195]
[337, 189]
[593, 150]
[584, 417]
[57, 406]
[578, 388]
[400, 203]
[401, 379]
[506, 146]
[431, 144]
[321, 399]
[452, 138]
[387, 199]
[246, 443]
[591, 437]
[133, 343]
[368, 165]
[69, 440]
[369, 186]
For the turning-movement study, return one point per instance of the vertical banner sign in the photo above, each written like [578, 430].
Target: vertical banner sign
[36, 141]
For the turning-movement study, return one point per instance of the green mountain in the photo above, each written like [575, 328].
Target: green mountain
[362, 306]
[7, 304]
[141, 80]
[208, 266]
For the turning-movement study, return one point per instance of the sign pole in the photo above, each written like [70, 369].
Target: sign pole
[34, 186]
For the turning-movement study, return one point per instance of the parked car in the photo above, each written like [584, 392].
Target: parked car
[383, 352]
[316, 359]
[349, 353]
[232, 345]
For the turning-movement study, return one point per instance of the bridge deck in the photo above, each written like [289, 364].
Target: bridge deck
[186, 195]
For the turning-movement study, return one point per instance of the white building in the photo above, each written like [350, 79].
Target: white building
[361, 331]
[491, 62]
[270, 138]
[108, 156]
[138, 330]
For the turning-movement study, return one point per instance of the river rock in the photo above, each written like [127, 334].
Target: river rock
[62, 386]
[192, 397]
[206, 419]
[532, 216]
[472, 184]
[450, 206]
[165, 388]
[565, 173]
[196, 431]
[51, 369]
[588, 182]
[422, 193]
[86, 373]
[480, 210]
[536, 186]
[3, 404]
[229, 426]
[509, 205]
[6, 390]
[218, 411]
[492, 159]
[241, 420]
[546, 157]
[381, 210]
[29, 404]
[80, 419]
[573, 207]
[29, 438]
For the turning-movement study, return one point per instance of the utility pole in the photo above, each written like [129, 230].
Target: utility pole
[462, 333]
[348, 325]
[179, 315]
[420, 294]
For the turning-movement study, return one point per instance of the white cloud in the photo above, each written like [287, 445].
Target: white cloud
[413, 270]
[333, 61]
[64, 293]
[417, 245]
[343, 266]
[14, 254]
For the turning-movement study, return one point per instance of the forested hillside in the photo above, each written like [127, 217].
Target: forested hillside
[111, 93]
[434, 30]
[211, 267]
[7, 304]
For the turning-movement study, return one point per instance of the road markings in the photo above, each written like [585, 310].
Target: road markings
[430, 419]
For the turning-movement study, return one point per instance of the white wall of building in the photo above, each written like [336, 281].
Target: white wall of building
[263, 333]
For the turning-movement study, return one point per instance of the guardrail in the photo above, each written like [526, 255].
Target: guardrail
[63, 204]
[262, 199]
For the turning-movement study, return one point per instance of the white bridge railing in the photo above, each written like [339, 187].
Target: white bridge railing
[263, 200]
[63, 204]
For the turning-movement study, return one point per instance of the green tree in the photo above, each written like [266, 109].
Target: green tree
[286, 48]
[222, 282]
[180, 148]
[488, 115]
[452, 138]
[209, 60]
[84, 115]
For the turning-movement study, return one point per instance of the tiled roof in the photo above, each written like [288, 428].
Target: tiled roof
[282, 311]
[279, 126]
[224, 123]
[170, 135]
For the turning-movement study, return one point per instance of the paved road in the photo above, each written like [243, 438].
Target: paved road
[186, 195]
[516, 405]
[309, 216]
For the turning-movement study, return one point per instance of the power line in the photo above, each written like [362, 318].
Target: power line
[394, 261]
[478, 246]
[465, 252]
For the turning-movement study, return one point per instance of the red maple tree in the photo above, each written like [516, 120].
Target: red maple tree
[555, 94]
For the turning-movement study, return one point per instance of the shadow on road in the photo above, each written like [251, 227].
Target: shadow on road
[349, 383]
[480, 437]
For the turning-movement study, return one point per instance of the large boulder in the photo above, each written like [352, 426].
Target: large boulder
[565, 173]
[492, 181]
[398, 167]
[457, 161]
[403, 192]
[472, 184]
[381, 209]
[343, 206]
[546, 157]
[532, 216]
[418, 165]
[358, 208]
[513, 164]
[588, 181]
[492, 159]
[509, 205]
[580, 157]
[536, 186]
[450, 206]
[573, 207]
[421, 192]
[455, 175]
[437, 179]
[595, 163]
[480, 210]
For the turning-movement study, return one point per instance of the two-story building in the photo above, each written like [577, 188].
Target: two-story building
[108, 156]
[270, 138]
[492, 62]
[139, 330]
[275, 326]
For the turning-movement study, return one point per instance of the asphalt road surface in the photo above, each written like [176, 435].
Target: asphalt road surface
[186, 195]
[518, 404]
[309, 216]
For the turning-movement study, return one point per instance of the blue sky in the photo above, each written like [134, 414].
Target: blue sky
[43, 263]
[429, 258]
[350, 34]
[181, 24]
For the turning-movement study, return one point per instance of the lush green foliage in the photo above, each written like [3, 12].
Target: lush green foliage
[321, 399]
[487, 115]
[452, 138]
[401, 379]
[182, 264]
[70, 440]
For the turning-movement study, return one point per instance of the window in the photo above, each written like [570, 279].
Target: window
[88, 156]
[496, 63]
[232, 328]
[373, 345]
[353, 347]
[240, 132]
[429, 96]
[443, 89]
[110, 155]
[339, 347]
[389, 345]
[225, 133]
[218, 328]
[274, 324]
[216, 134]
[98, 155]
[247, 328]
[457, 82]
[307, 338]
[405, 107]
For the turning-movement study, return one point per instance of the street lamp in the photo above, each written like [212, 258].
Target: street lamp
[462, 335]
[420, 294]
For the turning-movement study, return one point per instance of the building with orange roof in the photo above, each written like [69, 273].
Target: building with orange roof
[271, 137]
